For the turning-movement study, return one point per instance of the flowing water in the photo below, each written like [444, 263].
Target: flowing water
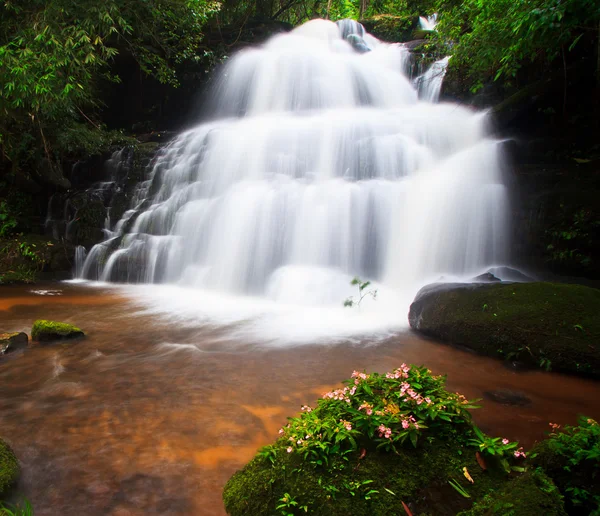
[149, 415]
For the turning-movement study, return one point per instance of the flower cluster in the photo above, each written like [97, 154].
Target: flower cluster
[359, 376]
[368, 408]
[400, 373]
[384, 431]
[340, 394]
[520, 453]
[386, 410]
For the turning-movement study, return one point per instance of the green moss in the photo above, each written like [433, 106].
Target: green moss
[9, 467]
[49, 330]
[394, 29]
[552, 326]
[416, 476]
[532, 493]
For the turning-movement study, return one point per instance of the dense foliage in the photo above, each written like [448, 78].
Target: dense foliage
[496, 38]
[571, 457]
[53, 56]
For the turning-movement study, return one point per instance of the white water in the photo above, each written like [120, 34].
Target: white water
[429, 84]
[429, 22]
[320, 164]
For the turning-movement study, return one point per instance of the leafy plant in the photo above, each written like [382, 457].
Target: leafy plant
[385, 410]
[22, 509]
[458, 488]
[498, 448]
[571, 456]
[8, 221]
[362, 292]
[288, 505]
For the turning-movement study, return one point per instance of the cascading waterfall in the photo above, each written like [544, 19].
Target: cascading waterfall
[320, 163]
[429, 22]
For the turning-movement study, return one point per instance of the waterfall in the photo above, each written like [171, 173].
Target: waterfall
[80, 254]
[429, 84]
[319, 163]
[429, 22]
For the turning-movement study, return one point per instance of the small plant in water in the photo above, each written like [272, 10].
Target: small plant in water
[362, 292]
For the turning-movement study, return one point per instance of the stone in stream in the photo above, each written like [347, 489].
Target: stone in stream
[549, 326]
[507, 397]
[47, 331]
[9, 467]
[10, 342]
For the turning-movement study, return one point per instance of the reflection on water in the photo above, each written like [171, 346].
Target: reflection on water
[145, 417]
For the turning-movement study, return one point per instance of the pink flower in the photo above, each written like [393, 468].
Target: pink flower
[280, 431]
[505, 441]
[369, 412]
[289, 449]
[405, 424]
[348, 426]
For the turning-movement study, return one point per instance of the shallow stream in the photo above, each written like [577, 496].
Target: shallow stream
[153, 412]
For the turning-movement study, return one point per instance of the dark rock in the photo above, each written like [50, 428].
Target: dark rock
[507, 397]
[10, 342]
[486, 277]
[51, 175]
[510, 274]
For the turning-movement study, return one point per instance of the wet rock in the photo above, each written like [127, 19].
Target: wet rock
[51, 175]
[510, 274]
[507, 397]
[358, 43]
[10, 342]
[47, 331]
[486, 277]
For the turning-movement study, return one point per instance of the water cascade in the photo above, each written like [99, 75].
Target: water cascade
[320, 163]
[429, 22]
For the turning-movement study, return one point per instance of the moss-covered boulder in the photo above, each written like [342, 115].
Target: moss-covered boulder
[546, 325]
[9, 467]
[380, 445]
[571, 458]
[394, 29]
[46, 331]
[12, 341]
[527, 495]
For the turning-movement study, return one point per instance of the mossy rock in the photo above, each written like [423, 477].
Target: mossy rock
[532, 493]
[45, 331]
[416, 476]
[394, 29]
[546, 325]
[9, 468]
[12, 341]
[383, 441]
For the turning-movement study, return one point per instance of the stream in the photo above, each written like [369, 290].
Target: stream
[154, 411]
